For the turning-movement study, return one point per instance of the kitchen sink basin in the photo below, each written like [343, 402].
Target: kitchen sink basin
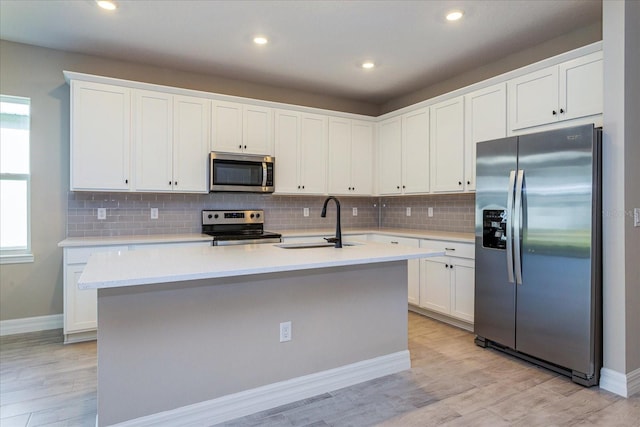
[310, 245]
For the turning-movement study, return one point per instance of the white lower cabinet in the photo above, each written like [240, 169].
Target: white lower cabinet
[413, 273]
[447, 283]
[81, 305]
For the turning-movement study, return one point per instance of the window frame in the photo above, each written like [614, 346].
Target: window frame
[20, 255]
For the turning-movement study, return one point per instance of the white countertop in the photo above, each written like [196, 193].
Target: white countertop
[133, 240]
[163, 265]
[197, 237]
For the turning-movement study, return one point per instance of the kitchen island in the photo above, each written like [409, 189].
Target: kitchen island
[192, 335]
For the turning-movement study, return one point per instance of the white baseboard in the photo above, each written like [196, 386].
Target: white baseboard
[620, 384]
[30, 324]
[247, 402]
[458, 323]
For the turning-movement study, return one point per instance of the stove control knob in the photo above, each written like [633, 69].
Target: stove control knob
[216, 216]
[257, 215]
[210, 216]
[252, 215]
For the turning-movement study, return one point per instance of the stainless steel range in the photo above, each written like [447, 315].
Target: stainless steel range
[237, 227]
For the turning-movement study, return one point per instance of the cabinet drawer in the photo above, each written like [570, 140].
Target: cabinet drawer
[81, 255]
[404, 241]
[454, 249]
[169, 245]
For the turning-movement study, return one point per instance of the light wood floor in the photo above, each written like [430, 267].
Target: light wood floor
[452, 382]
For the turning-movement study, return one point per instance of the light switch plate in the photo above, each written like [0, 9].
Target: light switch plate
[430, 211]
[305, 211]
[154, 213]
[355, 211]
[408, 211]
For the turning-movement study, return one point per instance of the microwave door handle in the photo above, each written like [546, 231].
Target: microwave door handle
[264, 174]
[509, 249]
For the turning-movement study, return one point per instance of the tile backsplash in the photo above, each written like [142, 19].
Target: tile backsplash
[129, 213]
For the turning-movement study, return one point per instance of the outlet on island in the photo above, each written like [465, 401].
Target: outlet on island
[285, 331]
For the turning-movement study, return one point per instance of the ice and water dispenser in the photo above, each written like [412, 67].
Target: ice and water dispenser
[494, 228]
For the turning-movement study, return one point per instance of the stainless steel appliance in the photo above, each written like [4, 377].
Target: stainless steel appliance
[538, 261]
[241, 173]
[237, 227]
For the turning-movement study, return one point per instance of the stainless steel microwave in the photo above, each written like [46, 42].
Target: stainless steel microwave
[241, 173]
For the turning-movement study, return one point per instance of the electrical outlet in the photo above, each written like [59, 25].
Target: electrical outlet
[408, 211]
[430, 211]
[102, 213]
[636, 217]
[285, 331]
[154, 213]
[305, 211]
[355, 211]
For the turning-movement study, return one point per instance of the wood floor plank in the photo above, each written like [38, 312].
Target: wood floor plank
[452, 383]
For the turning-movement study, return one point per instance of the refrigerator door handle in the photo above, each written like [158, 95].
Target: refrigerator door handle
[509, 249]
[517, 228]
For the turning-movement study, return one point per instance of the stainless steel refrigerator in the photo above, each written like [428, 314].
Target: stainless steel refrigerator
[538, 284]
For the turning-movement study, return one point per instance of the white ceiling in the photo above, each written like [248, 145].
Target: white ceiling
[315, 46]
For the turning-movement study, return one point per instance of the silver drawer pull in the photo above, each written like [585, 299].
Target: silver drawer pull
[394, 243]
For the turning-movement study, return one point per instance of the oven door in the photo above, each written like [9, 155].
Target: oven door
[241, 173]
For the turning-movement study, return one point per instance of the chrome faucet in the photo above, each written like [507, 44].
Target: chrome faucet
[338, 239]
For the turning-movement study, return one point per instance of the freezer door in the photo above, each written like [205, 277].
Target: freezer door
[554, 318]
[494, 315]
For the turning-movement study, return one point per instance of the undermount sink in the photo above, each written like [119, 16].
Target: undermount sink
[309, 245]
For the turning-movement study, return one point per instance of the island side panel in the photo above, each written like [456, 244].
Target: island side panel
[161, 347]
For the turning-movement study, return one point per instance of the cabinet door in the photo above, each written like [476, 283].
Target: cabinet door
[390, 156]
[153, 126]
[287, 132]
[462, 289]
[257, 128]
[415, 152]
[191, 118]
[340, 162]
[533, 99]
[361, 158]
[447, 145]
[226, 127]
[581, 84]
[435, 288]
[100, 136]
[313, 153]
[81, 305]
[485, 118]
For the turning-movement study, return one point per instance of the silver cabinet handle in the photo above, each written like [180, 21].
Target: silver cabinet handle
[394, 243]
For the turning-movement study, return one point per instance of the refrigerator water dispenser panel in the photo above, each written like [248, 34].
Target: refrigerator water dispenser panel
[494, 229]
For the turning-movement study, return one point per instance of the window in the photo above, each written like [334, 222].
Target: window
[15, 236]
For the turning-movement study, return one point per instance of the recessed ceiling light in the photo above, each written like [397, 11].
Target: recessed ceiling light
[107, 4]
[454, 15]
[260, 40]
[367, 65]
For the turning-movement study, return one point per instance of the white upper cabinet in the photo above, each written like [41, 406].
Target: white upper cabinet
[301, 153]
[415, 152]
[390, 156]
[100, 137]
[447, 145]
[241, 128]
[485, 118]
[567, 91]
[171, 140]
[350, 158]
[191, 119]
[404, 153]
[153, 130]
